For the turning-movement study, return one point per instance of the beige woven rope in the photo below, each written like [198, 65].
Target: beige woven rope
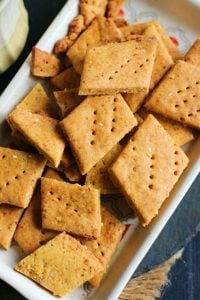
[149, 285]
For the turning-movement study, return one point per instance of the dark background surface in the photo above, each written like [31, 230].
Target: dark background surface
[185, 275]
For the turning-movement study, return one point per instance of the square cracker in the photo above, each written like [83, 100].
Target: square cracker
[62, 265]
[18, 175]
[127, 67]
[163, 60]
[180, 134]
[98, 176]
[29, 234]
[104, 247]
[68, 79]
[95, 126]
[36, 101]
[45, 64]
[92, 8]
[9, 217]
[89, 38]
[70, 207]
[193, 54]
[148, 168]
[177, 95]
[67, 100]
[42, 132]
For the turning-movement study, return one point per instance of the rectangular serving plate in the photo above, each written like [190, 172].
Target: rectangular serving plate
[138, 240]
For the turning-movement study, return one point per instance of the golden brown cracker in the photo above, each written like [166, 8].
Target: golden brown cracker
[177, 95]
[135, 58]
[18, 176]
[42, 132]
[70, 207]
[193, 54]
[92, 8]
[95, 126]
[68, 79]
[62, 265]
[148, 168]
[72, 173]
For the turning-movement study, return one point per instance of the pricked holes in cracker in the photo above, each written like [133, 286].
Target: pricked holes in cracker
[51, 193]
[3, 156]
[190, 115]
[150, 186]
[16, 177]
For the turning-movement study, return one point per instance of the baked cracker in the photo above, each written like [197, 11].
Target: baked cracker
[193, 54]
[148, 168]
[68, 79]
[104, 247]
[70, 207]
[98, 176]
[18, 175]
[127, 67]
[92, 8]
[45, 64]
[67, 100]
[62, 265]
[177, 95]
[42, 132]
[95, 126]
[9, 217]
[136, 100]
[72, 173]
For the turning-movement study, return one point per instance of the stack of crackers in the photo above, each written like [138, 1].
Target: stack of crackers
[122, 108]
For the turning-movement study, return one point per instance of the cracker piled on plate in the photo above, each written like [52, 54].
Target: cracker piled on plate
[119, 106]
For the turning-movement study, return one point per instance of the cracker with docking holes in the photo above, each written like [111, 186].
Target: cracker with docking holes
[61, 265]
[42, 132]
[133, 58]
[70, 207]
[18, 176]
[9, 218]
[177, 95]
[98, 176]
[95, 126]
[151, 155]
[104, 247]
[45, 64]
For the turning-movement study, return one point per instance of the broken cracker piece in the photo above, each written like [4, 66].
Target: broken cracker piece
[45, 64]
[95, 126]
[55, 265]
[92, 8]
[18, 176]
[135, 58]
[42, 132]
[177, 95]
[148, 168]
[104, 247]
[9, 218]
[70, 207]
[98, 176]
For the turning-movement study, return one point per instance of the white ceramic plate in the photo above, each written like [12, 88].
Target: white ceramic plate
[181, 20]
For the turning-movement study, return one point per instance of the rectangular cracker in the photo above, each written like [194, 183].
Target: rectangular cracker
[29, 234]
[68, 79]
[18, 176]
[67, 100]
[61, 265]
[98, 176]
[42, 132]
[177, 95]
[163, 60]
[127, 67]
[104, 247]
[92, 8]
[45, 64]
[36, 101]
[95, 126]
[148, 168]
[70, 207]
[89, 38]
[180, 134]
[193, 54]
[9, 217]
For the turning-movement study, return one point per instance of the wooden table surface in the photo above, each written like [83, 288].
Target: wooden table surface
[185, 275]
